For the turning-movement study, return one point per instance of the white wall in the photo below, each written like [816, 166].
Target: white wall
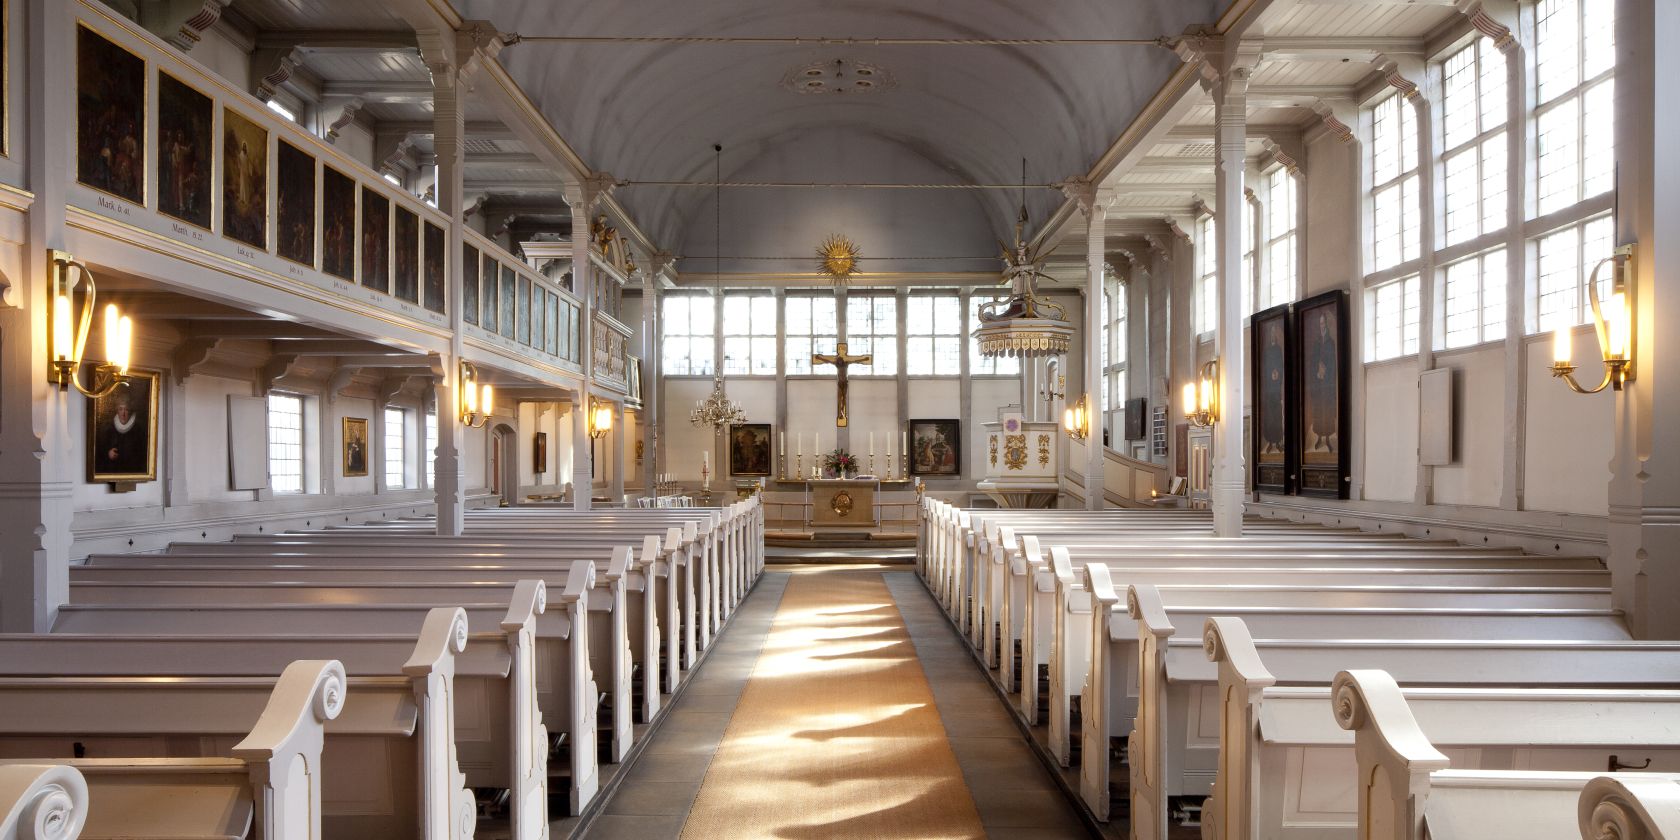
[1474, 477]
[1391, 433]
[1568, 447]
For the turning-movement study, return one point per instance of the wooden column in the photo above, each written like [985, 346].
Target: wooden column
[1230, 103]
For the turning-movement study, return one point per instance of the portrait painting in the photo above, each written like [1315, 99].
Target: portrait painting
[523, 317]
[1271, 452]
[508, 304]
[1321, 359]
[244, 180]
[110, 117]
[491, 305]
[935, 447]
[437, 286]
[122, 431]
[749, 449]
[186, 151]
[469, 285]
[405, 255]
[294, 212]
[376, 241]
[338, 224]
[539, 453]
[355, 446]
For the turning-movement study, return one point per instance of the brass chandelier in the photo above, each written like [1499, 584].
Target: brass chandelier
[717, 410]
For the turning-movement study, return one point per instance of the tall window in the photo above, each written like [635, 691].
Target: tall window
[285, 443]
[1115, 350]
[396, 473]
[749, 334]
[431, 448]
[872, 327]
[1391, 319]
[687, 344]
[1395, 215]
[979, 365]
[933, 335]
[1565, 261]
[1251, 249]
[1207, 276]
[1472, 303]
[1282, 210]
[1575, 57]
[813, 326]
[1473, 98]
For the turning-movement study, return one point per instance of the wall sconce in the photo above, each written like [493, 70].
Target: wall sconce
[1076, 419]
[1613, 320]
[600, 418]
[67, 334]
[1201, 398]
[478, 402]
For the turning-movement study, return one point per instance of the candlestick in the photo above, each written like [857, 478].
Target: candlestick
[905, 448]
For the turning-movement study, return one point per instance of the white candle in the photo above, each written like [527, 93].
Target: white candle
[705, 462]
[905, 440]
[889, 446]
[871, 444]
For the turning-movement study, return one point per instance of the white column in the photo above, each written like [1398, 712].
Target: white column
[652, 398]
[1095, 204]
[581, 197]
[1230, 484]
[619, 437]
[449, 135]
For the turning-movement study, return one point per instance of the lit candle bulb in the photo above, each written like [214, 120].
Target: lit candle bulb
[1616, 325]
[1563, 345]
[1189, 398]
[489, 400]
[63, 340]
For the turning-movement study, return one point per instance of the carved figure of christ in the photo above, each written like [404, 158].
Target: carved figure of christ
[841, 361]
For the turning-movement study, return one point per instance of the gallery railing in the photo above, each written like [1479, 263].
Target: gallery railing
[507, 304]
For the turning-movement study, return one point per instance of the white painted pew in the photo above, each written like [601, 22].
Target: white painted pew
[1406, 792]
[269, 789]
[42, 802]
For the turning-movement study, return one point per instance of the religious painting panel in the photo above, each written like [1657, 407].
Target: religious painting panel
[749, 449]
[338, 224]
[244, 180]
[110, 117]
[523, 318]
[554, 323]
[437, 286]
[294, 197]
[1273, 452]
[186, 151]
[936, 447]
[509, 305]
[376, 241]
[469, 285]
[405, 255]
[122, 431]
[539, 453]
[1137, 419]
[1321, 332]
[355, 446]
[539, 317]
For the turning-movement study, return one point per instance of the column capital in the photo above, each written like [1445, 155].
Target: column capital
[1219, 58]
[585, 194]
[1087, 195]
[455, 56]
[661, 263]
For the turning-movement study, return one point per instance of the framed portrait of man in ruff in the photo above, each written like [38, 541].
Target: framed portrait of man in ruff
[122, 431]
[1321, 354]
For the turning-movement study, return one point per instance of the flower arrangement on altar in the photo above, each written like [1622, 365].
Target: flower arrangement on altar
[839, 463]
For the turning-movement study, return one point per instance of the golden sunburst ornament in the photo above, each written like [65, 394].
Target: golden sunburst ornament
[839, 256]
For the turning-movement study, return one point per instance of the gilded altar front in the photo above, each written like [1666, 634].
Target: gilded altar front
[841, 503]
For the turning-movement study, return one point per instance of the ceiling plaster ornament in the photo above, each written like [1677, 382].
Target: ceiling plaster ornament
[839, 256]
[840, 76]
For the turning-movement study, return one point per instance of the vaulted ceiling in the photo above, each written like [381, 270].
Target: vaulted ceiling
[968, 114]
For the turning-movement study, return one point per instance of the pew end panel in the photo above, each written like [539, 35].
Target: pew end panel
[42, 802]
[1395, 758]
[1630, 806]
[283, 750]
[448, 808]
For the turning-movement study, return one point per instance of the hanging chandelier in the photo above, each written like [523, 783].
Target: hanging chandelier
[717, 410]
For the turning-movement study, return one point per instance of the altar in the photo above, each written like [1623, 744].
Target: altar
[841, 503]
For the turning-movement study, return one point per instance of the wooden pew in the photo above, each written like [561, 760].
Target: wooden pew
[269, 788]
[1636, 806]
[42, 801]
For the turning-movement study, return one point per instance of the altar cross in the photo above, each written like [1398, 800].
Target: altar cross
[841, 361]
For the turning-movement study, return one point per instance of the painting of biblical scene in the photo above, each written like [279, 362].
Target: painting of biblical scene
[405, 256]
[509, 307]
[749, 449]
[1321, 335]
[294, 188]
[338, 224]
[122, 431]
[539, 453]
[935, 447]
[524, 316]
[1272, 452]
[436, 289]
[110, 117]
[185, 141]
[376, 241]
[491, 307]
[469, 285]
[355, 446]
[554, 324]
[244, 180]
[539, 317]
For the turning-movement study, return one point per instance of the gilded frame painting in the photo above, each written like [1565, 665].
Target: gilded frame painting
[405, 255]
[295, 188]
[355, 443]
[749, 449]
[186, 144]
[338, 224]
[244, 180]
[936, 447]
[122, 431]
[110, 117]
[376, 240]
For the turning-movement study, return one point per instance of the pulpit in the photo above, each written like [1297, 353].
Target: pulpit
[1023, 463]
[841, 503]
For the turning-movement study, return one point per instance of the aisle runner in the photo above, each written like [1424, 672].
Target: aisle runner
[836, 735]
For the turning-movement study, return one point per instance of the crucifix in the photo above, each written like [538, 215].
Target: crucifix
[841, 361]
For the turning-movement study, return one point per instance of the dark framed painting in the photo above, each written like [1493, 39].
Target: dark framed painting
[491, 306]
[509, 306]
[469, 285]
[1273, 449]
[1321, 332]
[936, 447]
[122, 431]
[110, 117]
[553, 323]
[186, 137]
[355, 446]
[376, 241]
[539, 453]
[539, 317]
[338, 224]
[437, 286]
[405, 255]
[1137, 418]
[244, 180]
[749, 449]
[523, 317]
[294, 212]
